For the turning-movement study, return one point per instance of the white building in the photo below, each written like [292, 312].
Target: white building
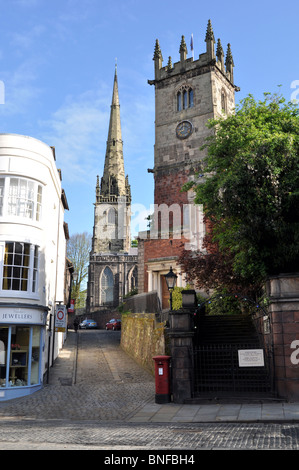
[32, 262]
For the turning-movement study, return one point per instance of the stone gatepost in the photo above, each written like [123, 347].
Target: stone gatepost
[283, 291]
[181, 349]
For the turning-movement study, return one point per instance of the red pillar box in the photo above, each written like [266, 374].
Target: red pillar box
[162, 379]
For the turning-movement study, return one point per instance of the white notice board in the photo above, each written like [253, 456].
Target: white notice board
[251, 357]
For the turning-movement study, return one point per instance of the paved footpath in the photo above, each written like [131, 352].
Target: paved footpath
[102, 382]
[99, 398]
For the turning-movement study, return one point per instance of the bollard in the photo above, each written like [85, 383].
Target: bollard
[162, 379]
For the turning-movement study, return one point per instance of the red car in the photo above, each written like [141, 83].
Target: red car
[113, 324]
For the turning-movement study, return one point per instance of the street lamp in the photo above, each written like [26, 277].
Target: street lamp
[170, 279]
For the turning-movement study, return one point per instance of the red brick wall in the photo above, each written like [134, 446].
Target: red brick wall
[168, 187]
[160, 249]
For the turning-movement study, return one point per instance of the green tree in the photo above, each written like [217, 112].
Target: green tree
[78, 248]
[250, 191]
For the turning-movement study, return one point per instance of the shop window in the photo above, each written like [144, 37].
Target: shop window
[20, 267]
[18, 367]
[35, 356]
[22, 359]
[3, 354]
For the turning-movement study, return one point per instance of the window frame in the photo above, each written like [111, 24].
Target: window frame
[107, 288]
[16, 202]
[184, 98]
[19, 268]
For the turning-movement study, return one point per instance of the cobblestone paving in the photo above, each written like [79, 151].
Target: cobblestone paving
[109, 385]
[91, 410]
[121, 436]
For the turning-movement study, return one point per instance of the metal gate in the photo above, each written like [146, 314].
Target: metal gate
[217, 372]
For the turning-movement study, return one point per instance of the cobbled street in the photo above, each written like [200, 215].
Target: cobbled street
[92, 397]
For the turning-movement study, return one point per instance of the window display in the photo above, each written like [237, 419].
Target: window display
[3, 354]
[19, 356]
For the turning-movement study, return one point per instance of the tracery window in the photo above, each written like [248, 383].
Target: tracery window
[111, 216]
[223, 102]
[185, 98]
[106, 286]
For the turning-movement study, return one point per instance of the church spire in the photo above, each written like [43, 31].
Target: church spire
[113, 182]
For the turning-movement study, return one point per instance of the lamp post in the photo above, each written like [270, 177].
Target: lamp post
[170, 279]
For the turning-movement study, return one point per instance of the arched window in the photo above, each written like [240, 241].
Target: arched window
[111, 216]
[106, 286]
[223, 102]
[185, 98]
[190, 98]
[179, 101]
[133, 281]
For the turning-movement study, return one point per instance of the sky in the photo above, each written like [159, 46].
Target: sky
[57, 62]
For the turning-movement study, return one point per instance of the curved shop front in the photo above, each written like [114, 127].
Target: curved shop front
[21, 345]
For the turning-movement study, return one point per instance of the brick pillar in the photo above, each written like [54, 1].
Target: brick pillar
[181, 347]
[283, 291]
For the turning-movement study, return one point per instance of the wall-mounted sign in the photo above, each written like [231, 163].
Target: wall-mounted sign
[251, 357]
[22, 315]
[60, 319]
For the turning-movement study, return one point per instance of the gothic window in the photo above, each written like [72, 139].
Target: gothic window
[111, 216]
[106, 286]
[185, 98]
[133, 281]
[190, 98]
[223, 102]
[179, 101]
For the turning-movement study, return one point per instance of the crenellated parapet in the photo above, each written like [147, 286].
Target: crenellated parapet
[205, 59]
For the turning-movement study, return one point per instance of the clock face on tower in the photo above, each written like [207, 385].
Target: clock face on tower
[184, 129]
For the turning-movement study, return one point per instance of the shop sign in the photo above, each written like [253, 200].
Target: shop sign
[251, 357]
[60, 319]
[72, 306]
[28, 316]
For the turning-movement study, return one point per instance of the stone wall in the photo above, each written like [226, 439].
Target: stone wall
[142, 338]
[283, 291]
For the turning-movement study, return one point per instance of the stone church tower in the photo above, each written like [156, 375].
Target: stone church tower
[187, 94]
[113, 264]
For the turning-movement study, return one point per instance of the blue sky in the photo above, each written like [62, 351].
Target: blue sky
[57, 63]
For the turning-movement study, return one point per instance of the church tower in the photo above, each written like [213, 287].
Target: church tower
[187, 94]
[113, 195]
[113, 263]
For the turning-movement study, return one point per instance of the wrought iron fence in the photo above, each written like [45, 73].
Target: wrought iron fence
[217, 371]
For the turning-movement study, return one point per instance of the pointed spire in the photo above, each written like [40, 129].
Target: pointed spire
[209, 34]
[220, 56]
[113, 180]
[157, 58]
[157, 52]
[183, 49]
[210, 40]
[229, 63]
[169, 64]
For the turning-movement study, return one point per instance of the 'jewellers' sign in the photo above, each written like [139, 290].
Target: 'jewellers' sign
[28, 316]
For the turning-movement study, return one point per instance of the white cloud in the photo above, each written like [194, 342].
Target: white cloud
[78, 131]
[27, 39]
